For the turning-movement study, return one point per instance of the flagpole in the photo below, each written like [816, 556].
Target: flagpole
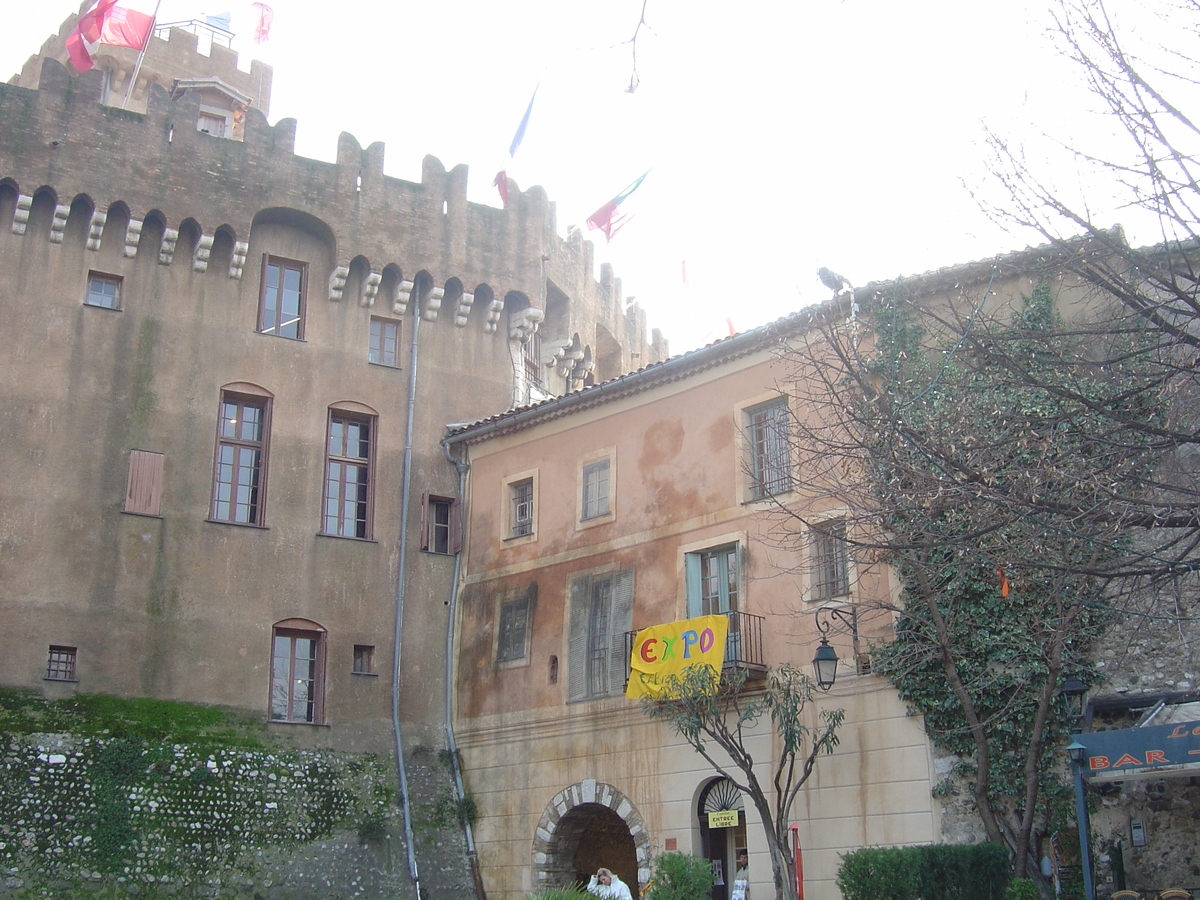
[137, 67]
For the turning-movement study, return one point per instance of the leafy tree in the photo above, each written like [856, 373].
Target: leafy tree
[706, 708]
[989, 496]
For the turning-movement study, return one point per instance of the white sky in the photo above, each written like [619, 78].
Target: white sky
[783, 135]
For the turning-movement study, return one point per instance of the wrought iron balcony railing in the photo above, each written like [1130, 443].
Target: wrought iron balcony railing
[743, 645]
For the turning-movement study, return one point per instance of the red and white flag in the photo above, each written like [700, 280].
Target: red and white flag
[118, 23]
[266, 16]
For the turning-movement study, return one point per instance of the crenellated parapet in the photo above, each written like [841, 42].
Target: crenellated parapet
[62, 140]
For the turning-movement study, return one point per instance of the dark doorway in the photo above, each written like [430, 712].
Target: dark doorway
[590, 836]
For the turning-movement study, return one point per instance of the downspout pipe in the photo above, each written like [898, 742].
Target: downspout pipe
[401, 574]
[462, 467]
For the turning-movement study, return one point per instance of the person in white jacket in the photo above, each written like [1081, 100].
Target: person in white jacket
[607, 886]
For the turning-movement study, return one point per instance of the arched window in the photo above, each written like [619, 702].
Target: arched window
[297, 672]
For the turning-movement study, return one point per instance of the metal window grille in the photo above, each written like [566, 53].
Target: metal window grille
[60, 665]
[770, 453]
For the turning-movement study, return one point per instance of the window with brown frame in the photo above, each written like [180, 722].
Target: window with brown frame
[103, 291]
[60, 664]
[297, 672]
[281, 300]
[385, 341]
[441, 530]
[350, 454]
[240, 463]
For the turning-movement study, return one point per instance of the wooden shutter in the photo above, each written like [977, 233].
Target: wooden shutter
[691, 564]
[425, 521]
[577, 671]
[456, 531]
[143, 492]
[620, 620]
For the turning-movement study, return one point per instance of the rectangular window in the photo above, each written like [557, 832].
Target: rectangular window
[143, 490]
[768, 431]
[712, 581]
[60, 665]
[520, 495]
[210, 123]
[364, 659]
[531, 354]
[281, 303]
[595, 489]
[385, 338]
[240, 470]
[513, 639]
[348, 476]
[712, 589]
[297, 661]
[103, 290]
[601, 614]
[440, 530]
[830, 562]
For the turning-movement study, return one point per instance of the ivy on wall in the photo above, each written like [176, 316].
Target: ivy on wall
[87, 808]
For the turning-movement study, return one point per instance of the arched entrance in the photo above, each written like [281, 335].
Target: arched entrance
[721, 843]
[586, 826]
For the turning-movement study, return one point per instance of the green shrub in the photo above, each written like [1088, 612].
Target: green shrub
[561, 893]
[681, 876]
[928, 872]
[1022, 889]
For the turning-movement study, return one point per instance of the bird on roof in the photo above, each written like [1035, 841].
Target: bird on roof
[835, 282]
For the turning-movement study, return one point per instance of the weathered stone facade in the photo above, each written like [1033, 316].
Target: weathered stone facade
[128, 566]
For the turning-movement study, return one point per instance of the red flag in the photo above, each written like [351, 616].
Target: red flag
[500, 182]
[606, 218]
[118, 23]
[266, 16]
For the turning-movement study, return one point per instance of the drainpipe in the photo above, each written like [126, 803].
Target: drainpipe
[463, 467]
[400, 575]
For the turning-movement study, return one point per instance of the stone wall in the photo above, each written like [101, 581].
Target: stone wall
[115, 817]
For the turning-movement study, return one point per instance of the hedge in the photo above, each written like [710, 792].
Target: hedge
[927, 872]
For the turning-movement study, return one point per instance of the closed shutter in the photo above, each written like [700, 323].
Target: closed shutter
[620, 621]
[692, 574]
[577, 669]
[143, 491]
[456, 530]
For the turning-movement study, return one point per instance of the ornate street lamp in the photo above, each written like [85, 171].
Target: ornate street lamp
[826, 661]
[1075, 692]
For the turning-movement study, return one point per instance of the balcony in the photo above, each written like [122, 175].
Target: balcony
[743, 646]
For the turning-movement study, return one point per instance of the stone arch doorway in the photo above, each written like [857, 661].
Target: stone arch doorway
[588, 825]
[722, 842]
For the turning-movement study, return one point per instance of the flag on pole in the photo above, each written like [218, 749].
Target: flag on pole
[606, 218]
[266, 16]
[118, 23]
[501, 179]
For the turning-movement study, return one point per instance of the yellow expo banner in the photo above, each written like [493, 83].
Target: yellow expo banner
[664, 650]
